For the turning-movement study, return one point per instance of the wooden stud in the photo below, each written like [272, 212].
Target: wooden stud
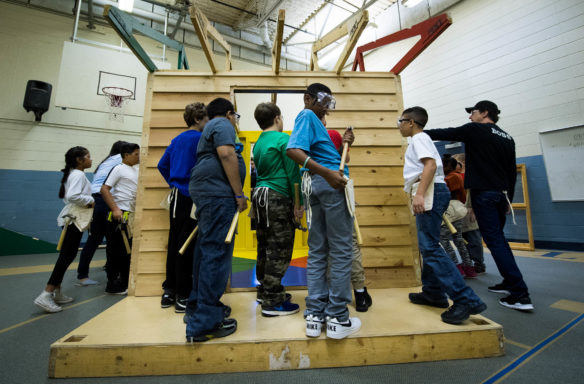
[205, 30]
[354, 28]
[277, 47]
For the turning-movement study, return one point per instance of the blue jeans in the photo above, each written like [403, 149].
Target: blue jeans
[211, 264]
[490, 208]
[440, 276]
[330, 234]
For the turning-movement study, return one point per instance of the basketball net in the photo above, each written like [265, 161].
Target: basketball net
[116, 100]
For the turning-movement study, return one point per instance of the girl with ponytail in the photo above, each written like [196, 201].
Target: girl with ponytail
[76, 193]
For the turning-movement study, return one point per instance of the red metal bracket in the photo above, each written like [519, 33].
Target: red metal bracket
[429, 30]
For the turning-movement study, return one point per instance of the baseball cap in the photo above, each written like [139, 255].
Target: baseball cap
[485, 105]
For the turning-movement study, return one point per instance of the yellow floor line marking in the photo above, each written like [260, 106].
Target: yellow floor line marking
[43, 268]
[47, 314]
[515, 343]
[569, 305]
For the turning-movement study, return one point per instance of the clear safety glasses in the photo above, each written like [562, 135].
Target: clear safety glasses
[325, 100]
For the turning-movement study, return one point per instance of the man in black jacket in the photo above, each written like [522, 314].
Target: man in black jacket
[490, 175]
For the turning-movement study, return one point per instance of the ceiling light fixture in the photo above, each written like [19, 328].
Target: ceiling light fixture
[410, 3]
[126, 5]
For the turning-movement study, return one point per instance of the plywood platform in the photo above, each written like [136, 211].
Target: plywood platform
[136, 337]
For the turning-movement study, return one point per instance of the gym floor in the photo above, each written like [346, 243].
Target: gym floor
[541, 347]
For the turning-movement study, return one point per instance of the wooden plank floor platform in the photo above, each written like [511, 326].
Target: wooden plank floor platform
[135, 337]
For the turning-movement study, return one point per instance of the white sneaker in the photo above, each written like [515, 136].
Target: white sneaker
[313, 326]
[61, 298]
[337, 330]
[45, 301]
[86, 282]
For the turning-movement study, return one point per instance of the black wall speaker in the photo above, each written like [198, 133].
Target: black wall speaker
[37, 97]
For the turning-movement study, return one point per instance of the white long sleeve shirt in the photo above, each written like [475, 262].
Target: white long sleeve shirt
[77, 197]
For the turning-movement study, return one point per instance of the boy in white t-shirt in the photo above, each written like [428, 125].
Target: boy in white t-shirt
[440, 278]
[123, 178]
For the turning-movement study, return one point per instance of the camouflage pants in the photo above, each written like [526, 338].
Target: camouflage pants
[446, 236]
[275, 245]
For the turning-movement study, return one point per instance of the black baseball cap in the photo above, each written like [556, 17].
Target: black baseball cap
[485, 105]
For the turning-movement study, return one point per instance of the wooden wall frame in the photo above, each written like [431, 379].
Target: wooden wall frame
[369, 101]
[524, 206]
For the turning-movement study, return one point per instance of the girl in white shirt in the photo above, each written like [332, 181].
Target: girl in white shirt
[76, 193]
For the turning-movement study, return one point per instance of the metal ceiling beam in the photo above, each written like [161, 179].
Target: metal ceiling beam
[264, 17]
[125, 25]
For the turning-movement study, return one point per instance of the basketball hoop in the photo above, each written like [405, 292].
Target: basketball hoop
[116, 99]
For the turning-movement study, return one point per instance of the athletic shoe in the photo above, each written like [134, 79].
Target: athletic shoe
[337, 330]
[86, 282]
[226, 328]
[283, 309]
[499, 288]
[521, 303]
[115, 288]
[259, 300]
[469, 272]
[61, 298]
[180, 305]
[423, 298]
[458, 313]
[480, 269]
[46, 301]
[460, 269]
[226, 313]
[167, 300]
[362, 300]
[313, 326]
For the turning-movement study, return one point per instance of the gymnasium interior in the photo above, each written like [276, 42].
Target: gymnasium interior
[64, 58]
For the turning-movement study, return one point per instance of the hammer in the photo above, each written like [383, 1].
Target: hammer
[297, 206]
[188, 241]
[121, 228]
[68, 219]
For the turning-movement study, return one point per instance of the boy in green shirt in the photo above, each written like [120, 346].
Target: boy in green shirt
[273, 202]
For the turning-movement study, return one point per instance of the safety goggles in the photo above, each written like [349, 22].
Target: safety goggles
[325, 100]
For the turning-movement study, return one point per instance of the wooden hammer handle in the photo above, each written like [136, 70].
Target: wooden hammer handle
[63, 233]
[344, 156]
[229, 236]
[449, 224]
[183, 249]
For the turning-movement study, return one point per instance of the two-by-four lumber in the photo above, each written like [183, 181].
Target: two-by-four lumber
[277, 47]
[205, 30]
[353, 28]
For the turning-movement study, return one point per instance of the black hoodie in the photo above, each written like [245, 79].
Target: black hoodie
[490, 155]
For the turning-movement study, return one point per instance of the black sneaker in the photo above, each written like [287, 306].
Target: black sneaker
[226, 328]
[362, 300]
[282, 309]
[521, 303]
[180, 305]
[226, 313]
[423, 298]
[167, 300]
[458, 313]
[499, 288]
[480, 269]
[116, 288]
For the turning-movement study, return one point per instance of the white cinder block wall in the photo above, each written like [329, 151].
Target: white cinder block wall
[528, 57]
